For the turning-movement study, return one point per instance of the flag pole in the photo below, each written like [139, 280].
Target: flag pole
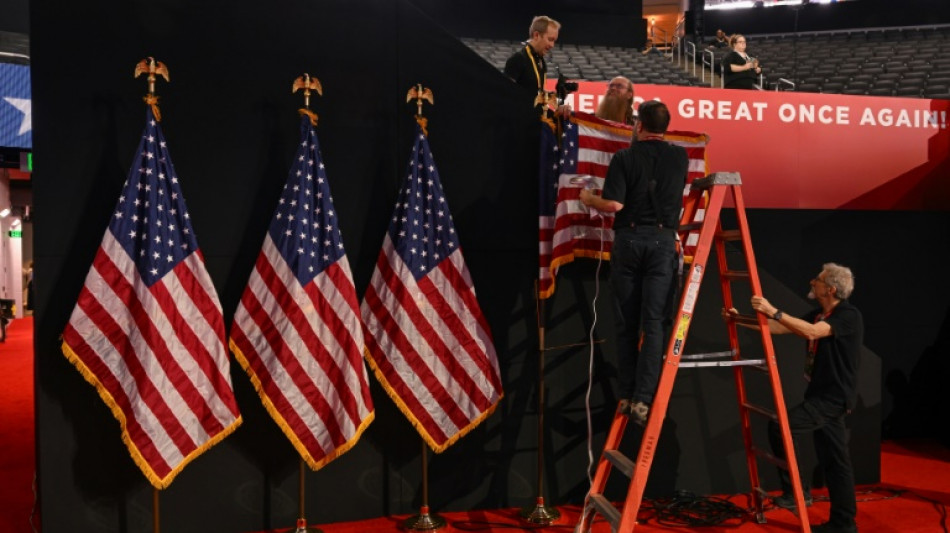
[156, 523]
[539, 513]
[302, 526]
[424, 521]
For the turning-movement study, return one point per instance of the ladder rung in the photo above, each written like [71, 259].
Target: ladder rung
[710, 355]
[735, 274]
[781, 463]
[748, 320]
[692, 226]
[606, 509]
[741, 362]
[761, 410]
[620, 461]
[730, 235]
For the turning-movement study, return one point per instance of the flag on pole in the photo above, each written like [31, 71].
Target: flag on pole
[148, 330]
[297, 329]
[548, 170]
[428, 342]
[567, 229]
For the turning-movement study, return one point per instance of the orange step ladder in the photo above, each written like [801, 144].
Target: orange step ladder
[709, 193]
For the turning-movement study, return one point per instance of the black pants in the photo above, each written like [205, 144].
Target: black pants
[826, 421]
[642, 267]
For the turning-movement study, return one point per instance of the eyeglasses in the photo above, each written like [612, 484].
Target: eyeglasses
[819, 280]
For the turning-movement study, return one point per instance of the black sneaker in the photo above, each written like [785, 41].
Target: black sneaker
[828, 527]
[787, 501]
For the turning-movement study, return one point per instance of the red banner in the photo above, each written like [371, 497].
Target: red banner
[813, 151]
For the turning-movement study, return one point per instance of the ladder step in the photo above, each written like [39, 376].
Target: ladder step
[749, 320]
[620, 461]
[730, 235]
[709, 355]
[692, 226]
[735, 274]
[606, 509]
[781, 463]
[743, 362]
[761, 410]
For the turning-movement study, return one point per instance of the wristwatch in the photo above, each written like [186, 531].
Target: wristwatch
[777, 316]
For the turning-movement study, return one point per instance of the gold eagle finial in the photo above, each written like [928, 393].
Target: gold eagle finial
[308, 84]
[151, 67]
[421, 94]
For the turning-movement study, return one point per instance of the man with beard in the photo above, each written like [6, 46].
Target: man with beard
[835, 334]
[617, 104]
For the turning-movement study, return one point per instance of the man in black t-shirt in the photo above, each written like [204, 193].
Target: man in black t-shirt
[835, 335]
[644, 187]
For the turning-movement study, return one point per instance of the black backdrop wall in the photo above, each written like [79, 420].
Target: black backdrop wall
[231, 123]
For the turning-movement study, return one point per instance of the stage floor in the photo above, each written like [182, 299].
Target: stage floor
[912, 498]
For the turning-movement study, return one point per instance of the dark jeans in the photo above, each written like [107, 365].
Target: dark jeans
[826, 421]
[642, 265]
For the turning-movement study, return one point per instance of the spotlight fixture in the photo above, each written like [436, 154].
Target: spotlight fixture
[4, 212]
[15, 223]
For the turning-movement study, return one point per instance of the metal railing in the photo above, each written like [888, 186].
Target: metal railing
[782, 81]
[691, 54]
[712, 67]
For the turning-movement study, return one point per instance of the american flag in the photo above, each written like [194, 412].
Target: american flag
[297, 329]
[147, 330]
[427, 341]
[567, 228]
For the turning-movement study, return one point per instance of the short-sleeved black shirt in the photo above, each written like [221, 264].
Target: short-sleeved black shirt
[628, 176]
[835, 372]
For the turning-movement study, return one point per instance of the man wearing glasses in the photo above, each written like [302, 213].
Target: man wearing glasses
[617, 104]
[835, 334]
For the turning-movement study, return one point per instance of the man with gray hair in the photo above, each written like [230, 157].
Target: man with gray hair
[617, 104]
[835, 335]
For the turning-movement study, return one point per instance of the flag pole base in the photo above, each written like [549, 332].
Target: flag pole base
[539, 514]
[302, 527]
[424, 521]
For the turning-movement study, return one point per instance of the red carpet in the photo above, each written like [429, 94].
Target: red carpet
[912, 498]
[17, 453]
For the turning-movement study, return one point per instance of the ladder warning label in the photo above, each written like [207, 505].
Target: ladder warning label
[680, 338]
[689, 300]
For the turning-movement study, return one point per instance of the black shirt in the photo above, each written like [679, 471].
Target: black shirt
[519, 68]
[835, 371]
[628, 177]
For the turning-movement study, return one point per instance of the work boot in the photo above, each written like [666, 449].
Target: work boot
[639, 412]
[787, 501]
[828, 527]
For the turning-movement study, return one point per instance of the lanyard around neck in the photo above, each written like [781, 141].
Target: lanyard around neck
[537, 73]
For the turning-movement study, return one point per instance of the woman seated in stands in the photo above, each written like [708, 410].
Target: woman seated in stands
[739, 70]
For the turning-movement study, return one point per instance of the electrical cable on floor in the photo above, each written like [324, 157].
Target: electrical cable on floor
[939, 506]
[689, 510]
[477, 525]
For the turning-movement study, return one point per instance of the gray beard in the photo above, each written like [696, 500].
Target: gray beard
[614, 108]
